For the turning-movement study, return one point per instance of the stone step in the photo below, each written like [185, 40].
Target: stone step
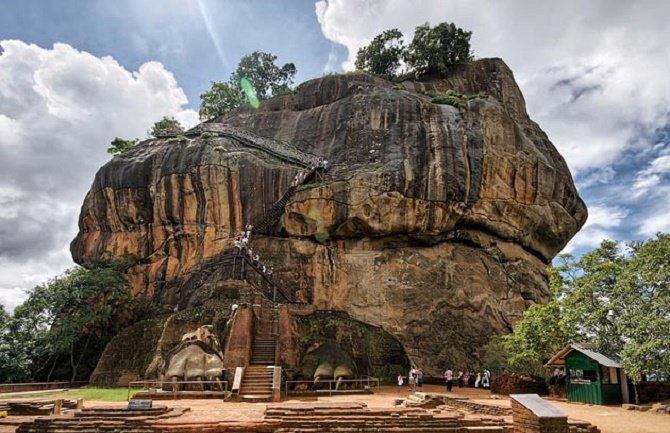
[267, 380]
[259, 374]
[256, 398]
[256, 386]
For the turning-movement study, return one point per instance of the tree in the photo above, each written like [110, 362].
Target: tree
[60, 320]
[257, 77]
[119, 146]
[166, 123]
[265, 76]
[643, 318]
[590, 297]
[383, 55]
[535, 338]
[219, 100]
[436, 50]
[621, 303]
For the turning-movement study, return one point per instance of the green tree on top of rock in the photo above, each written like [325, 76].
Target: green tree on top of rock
[384, 54]
[220, 99]
[433, 50]
[267, 78]
[166, 123]
[436, 50]
[119, 146]
[258, 69]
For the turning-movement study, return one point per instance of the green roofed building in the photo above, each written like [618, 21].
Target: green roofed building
[591, 377]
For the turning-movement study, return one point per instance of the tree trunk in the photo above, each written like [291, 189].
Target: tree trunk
[75, 366]
[83, 351]
[53, 366]
[72, 364]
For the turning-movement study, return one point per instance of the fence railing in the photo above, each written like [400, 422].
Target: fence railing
[364, 383]
[38, 386]
[222, 385]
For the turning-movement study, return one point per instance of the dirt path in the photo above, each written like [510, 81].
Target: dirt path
[609, 419]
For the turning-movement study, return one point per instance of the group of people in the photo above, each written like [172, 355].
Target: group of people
[414, 379]
[476, 380]
[314, 164]
[242, 246]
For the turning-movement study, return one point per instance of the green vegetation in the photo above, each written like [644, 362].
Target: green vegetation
[453, 98]
[433, 51]
[265, 76]
[178, 139]
[436, 50]
[220, 99]
[166, 123]
[257, 77]
[620, 303]
[60, 330]
[89, 394]
[119, 146]
[383, 55]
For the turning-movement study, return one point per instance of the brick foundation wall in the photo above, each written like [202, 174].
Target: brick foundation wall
[525, 421]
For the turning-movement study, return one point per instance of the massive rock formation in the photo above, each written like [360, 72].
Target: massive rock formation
[434, 222]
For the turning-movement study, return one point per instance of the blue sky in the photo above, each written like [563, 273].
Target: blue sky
[74, 74]
[198, 42]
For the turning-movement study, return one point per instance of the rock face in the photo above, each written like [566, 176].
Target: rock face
[434, 222]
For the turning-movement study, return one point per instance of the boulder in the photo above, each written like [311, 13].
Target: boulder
[433, 222]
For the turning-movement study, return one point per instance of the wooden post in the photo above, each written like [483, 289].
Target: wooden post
[80, 403]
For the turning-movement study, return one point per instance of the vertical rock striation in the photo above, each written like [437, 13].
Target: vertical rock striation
[434, 221]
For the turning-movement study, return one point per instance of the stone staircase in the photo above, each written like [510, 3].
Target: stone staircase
[257, 379]
[256, 383]
[263, 351]
[356, 417]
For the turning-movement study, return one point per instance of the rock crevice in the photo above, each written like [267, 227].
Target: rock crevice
[434, 222]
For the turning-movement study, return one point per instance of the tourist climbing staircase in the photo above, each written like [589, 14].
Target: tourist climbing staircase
[272, 216]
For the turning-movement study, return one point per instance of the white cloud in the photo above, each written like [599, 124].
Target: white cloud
[592, 72]
[59, 109]
[652, 176]
[656, 217]
[658, 222]
[603, 220]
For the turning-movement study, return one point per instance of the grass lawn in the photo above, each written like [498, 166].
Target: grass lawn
[99, 394]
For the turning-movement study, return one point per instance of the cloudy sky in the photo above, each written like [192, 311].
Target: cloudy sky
[75, 74]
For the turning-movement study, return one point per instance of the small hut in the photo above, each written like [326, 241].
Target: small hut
[591, 377]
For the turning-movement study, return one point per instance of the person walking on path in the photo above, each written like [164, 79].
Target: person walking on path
[419, 379]
[486, 381]
[479, 379]
[449, 378]
[412, 378]
[401, 380]
[459, 378]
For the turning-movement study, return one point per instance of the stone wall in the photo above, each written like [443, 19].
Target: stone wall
[533, 415]
[653, 391]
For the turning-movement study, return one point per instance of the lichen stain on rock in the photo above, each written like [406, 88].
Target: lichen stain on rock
[433, 222]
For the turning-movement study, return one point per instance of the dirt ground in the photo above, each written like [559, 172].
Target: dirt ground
[609, 419]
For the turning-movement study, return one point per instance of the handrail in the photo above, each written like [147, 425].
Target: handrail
[369, 382]
[281, 290]
[176, 382]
